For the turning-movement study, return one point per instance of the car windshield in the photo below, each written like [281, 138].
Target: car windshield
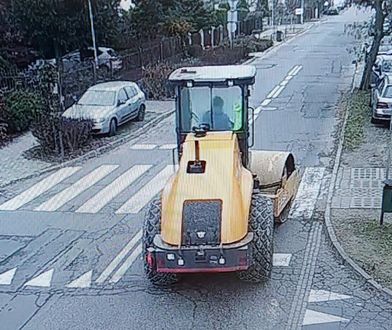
[220, 108]
[99, 98]
[388, 92]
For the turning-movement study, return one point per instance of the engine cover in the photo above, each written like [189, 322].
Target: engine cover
[201, 222]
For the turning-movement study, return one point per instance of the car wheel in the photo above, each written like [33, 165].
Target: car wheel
[113, 127]
[141, 114]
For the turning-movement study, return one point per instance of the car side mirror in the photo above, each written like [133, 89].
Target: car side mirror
[119, 102]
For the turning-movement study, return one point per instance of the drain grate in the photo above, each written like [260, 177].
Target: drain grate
[367, 173]
[365, 202]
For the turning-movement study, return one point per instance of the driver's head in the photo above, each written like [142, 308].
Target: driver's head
[217, 104]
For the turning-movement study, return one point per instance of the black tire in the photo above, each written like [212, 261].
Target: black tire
[376, 121]
[261, 223]
[141, 114]
[113, 127]
[152, 227]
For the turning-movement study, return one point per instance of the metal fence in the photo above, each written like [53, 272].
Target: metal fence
[76, 80]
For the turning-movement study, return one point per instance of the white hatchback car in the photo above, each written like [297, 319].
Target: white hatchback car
[381, 100]
[109, 105]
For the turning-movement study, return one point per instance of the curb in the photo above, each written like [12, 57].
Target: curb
[277, 46]
[97, 152]
[327, 217]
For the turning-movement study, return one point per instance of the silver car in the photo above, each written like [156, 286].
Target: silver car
[109, 105]
[383, 65]
[381, 100]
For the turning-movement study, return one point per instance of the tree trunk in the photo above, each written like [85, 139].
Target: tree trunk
[379, 34]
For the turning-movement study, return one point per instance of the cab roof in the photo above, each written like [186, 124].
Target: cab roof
[213, 73]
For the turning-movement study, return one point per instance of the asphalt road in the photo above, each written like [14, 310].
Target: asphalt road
[69, 246]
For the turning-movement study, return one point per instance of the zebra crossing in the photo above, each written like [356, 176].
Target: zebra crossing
[62, 259]
[66, 199]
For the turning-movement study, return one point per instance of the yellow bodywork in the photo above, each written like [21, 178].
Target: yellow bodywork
[224, 179]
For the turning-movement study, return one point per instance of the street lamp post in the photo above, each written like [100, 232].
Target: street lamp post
[302, 11]
[90, 9]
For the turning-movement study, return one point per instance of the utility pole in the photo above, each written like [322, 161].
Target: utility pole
[273, 17]
[90, 9]
[302, 11]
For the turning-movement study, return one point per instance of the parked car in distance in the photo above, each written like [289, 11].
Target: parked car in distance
[332, 11]
[108, 59]
[383, 65]
[381, 100]
[109, 105]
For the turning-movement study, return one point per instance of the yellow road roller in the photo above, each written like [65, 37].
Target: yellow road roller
[217, 212]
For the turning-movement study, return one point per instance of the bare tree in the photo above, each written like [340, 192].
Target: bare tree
[381, 13]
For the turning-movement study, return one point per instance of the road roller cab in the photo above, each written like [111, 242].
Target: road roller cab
[216, 213]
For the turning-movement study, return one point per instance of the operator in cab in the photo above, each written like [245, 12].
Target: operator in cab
[220, 120]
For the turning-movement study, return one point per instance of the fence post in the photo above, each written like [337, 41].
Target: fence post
[190, 39]
[212, 37]
[221, 33]
[140, 57]
[202, 39]
[94, 72]
[61, 145]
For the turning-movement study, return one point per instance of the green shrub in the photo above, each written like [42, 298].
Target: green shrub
[155, 78]
[58, 135]
[154, 81]
[21, 107]
[253, 45]
[3, 133]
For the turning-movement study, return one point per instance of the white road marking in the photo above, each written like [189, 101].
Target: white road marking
[116, 261]
[288, 78]
[322, 295]
[257, 110]
[7, 277]
[143, 146]
[277, 93]
[38, 189]
[127, 263]
[266, 102]
[83, 281]
[307, 194]
[273, 92]
[144, 195]
[291, 72]
[313, 317]
[298, 69]
[76, 189]
[96, 203]
[284, 83]
[44, 280]
[168, 146]
[281, 259]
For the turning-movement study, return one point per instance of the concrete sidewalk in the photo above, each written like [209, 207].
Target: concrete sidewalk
[16, 164]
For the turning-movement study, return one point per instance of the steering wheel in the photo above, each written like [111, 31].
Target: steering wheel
[201, 130]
